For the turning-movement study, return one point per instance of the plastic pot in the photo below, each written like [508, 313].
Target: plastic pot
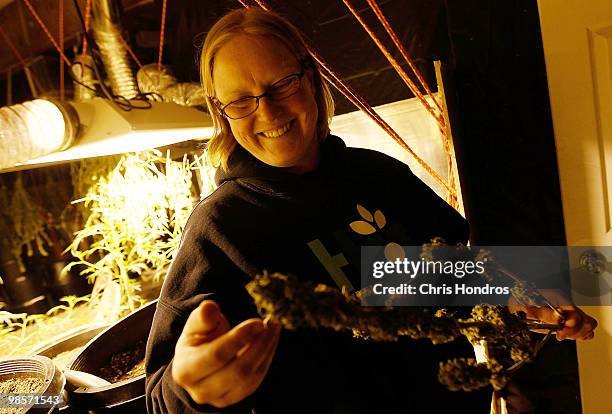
[39, 367]
[127, 395]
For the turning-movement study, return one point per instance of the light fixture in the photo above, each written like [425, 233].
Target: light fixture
[104, 129]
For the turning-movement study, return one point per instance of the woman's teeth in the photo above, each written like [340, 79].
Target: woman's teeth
[277, 132]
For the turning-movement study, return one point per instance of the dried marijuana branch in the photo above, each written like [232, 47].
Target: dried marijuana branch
[296, 305]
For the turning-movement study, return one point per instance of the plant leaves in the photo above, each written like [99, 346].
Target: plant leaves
[394, 251]
[379, 217]
[364, 213]
[362, 227]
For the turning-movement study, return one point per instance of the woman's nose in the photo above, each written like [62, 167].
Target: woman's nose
[269, 109]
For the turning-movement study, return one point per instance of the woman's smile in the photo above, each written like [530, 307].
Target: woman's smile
[278, 131]
[281, 132]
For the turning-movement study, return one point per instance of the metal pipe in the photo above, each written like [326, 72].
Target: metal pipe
[84, 89]
[163, 86]
[107, 33]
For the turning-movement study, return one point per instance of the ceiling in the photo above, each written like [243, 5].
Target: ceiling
[333, 31]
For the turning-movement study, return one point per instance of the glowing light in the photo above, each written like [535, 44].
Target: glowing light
[32, 129]
[103, 130]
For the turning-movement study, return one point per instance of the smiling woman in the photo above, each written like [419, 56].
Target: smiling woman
[287, 194]
[247, 54]
[281, 131]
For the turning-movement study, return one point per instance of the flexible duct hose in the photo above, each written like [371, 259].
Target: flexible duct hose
[106, 32]
[164, 87]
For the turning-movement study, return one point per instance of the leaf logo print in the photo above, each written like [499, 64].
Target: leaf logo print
[379, 217]
[366, 227]
[394, 251]
[363, 212]
[362, 227]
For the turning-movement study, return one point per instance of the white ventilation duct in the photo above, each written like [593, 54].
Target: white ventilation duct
[83, 73]
[35, 128]
[162, 85]
[107, 33]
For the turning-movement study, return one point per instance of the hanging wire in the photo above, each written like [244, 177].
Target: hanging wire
[383, 20]
[129, 49]
[333, 78]
[161, 40]
[133, 56]
[29, 74]
[120, 102]
[87, 18]
[400, 71]
[11, 46]
[445, 127]
[47, 32]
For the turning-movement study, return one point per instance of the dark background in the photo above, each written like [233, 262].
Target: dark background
[496, 90]
[494, 69]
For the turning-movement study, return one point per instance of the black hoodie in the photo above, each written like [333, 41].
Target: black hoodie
[265, 218]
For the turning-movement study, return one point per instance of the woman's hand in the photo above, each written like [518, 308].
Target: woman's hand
[576, 323]
[220, 366]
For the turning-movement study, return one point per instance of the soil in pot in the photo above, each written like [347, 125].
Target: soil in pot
[19, 385]
[125, 365]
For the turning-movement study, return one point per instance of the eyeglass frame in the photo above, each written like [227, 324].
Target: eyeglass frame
[221, 108]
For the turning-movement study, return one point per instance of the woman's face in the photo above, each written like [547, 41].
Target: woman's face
[281, 133]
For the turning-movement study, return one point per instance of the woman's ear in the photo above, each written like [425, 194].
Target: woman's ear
[309, 74]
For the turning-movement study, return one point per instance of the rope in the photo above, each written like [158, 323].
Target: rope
[130, 51]
[332, 77]
[133, 56]
[383, 20]
[61, 40]
[12, 47]
[87, 18]
[395, 65]
[451, 197]
[358, 101]
[161, 41]
[30, 76]
[47, 32]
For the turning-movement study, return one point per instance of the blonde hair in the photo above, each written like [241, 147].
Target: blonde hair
[257, 22]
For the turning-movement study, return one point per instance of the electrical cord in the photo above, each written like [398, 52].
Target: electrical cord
[150, 96]
[120, 102]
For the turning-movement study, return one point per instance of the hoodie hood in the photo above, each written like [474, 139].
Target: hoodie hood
[242, 165]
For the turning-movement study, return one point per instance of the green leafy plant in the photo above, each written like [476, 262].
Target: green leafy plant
[22, 334]
[137, 214]
[22, 222]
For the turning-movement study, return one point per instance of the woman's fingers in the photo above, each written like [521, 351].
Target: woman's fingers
[215, 355]
[589, 336]
[264, 365]
[204, 324]
[263, 348]
[543, 314]
[244, 373]
[578, 325]
[221, 366]
[207, 344]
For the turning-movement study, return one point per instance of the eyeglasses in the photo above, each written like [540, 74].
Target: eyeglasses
[243, 107]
